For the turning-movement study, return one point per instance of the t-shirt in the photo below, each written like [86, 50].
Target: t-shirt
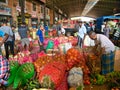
[82, 31]
[8, 30]
[23, 31]
[105, 43]
[40, 34]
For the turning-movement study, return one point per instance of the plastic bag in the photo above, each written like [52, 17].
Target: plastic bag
[64, 84]
[75, 77]
[25, 72]
[13, 69]
[50, 45]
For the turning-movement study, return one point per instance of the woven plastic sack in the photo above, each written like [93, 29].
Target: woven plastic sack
[55, 70]
[75, 77]
[64, 84]
[13, 69]
[50, 45]
[25, 72]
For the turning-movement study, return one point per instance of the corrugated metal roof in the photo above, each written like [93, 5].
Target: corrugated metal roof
[75, 7]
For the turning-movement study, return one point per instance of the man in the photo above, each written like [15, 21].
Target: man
[108, 48]
[40, 33]
[23, 32]
[81, 33]
[4, 64]
[8, 43]
[106, 30]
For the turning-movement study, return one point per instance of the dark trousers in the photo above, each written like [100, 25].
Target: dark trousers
[80, 41]
[7, 45]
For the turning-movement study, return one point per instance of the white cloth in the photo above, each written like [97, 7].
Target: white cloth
[88, 41]
[62, 30]
[82, 31]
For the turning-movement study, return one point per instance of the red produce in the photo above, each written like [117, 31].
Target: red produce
[55, 70]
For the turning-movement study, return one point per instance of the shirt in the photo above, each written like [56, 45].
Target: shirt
[106, 31]
[23, 31]
[8, 30]
[82, 31]
[40, 34]
[4, 70]
[105, 43]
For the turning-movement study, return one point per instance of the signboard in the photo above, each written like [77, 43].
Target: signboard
[5, 10]
[18, 8]
[34, 14]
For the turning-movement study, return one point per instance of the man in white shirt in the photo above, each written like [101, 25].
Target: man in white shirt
[81, 33]
[108, 48]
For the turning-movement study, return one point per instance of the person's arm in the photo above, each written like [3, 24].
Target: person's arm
[4, 39]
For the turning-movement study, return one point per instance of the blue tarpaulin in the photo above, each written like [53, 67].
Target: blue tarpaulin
[100, 20]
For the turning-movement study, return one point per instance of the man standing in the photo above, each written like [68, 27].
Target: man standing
[23, 31]
[8, 43]
[108, 48]
[106, 30]
[81, 33]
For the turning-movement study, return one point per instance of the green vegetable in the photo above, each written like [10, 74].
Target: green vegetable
[47, 83]
[79, 88]
[33, 83]
[97, 79]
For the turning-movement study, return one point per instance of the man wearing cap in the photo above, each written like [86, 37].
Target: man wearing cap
[81, 33]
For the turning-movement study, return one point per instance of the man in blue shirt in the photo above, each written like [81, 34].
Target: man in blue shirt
[23, 32]
[40, 33]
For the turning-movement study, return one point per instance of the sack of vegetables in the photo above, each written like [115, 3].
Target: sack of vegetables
[13, 69]
[25, 72]
[55, 70]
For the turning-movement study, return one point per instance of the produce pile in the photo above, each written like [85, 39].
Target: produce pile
[61, 67]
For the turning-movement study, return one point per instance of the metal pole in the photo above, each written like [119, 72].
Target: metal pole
[44, 14]
[22, 5]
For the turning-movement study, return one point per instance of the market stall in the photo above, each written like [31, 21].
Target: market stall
[61, 65]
